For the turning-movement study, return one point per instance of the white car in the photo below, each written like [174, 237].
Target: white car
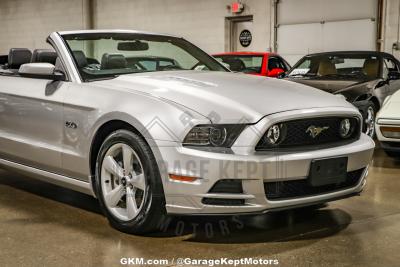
[151, 125]
[388, 125]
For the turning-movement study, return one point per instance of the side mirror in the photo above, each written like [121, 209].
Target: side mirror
[41, 71]
[282, 75]
[275, 72]
[393, 75]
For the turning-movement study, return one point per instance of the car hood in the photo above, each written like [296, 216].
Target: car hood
[351, 89]
[224, 96]
[329, 85]
[391, 108]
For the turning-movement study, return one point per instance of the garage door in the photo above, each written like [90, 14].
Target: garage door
[311, 26]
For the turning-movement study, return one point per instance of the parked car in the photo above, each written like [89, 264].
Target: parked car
[388, 125]
[364, 78]
[256, 63]
[152, 142]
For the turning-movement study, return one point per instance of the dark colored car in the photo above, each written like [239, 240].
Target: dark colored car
[364, 78]
[256, 63]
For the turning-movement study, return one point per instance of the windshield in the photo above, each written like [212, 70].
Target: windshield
[107, 55]
[361, 66]
[242, 63]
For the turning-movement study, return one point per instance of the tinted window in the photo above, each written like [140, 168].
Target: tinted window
[149, 65]
[391, 65]
[242, 63]
[347, 65]
[276, 63]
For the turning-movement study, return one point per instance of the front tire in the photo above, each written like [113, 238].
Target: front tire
[369, 116]
[392, 154]
[129, 184]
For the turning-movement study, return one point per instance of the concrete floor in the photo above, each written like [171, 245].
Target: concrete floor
[45, 225]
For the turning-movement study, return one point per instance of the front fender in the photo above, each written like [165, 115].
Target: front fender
[360, 91]
[90, 107]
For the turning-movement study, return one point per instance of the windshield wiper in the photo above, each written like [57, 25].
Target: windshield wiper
[354, 75]
[303, 75]
[109, 77]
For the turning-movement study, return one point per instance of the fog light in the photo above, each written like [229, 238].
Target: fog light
[390, 132]
[345, 128]
[273, 134]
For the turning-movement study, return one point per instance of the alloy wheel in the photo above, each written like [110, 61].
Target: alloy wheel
[123, 182]
[370, 122]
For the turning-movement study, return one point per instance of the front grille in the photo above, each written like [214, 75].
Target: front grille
[301, 188]
[223, 201]
[295, 133]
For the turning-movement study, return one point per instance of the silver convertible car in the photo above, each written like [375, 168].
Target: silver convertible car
[153, 126]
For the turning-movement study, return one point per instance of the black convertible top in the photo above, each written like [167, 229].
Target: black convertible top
[372, 53]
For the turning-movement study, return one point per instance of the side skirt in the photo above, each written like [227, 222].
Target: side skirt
[57, 179]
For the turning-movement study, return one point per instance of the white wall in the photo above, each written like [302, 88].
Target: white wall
[391, 26]
[27, 23]
[201, 22]
[325, 25]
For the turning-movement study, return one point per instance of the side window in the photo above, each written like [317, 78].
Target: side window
[149, 65]
[287, 65]
[391, 65]
[165, 63]
[59, 66]
[276, 63]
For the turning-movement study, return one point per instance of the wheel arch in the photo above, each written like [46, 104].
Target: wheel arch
[369, 97]
[104, 129]
[376, 102]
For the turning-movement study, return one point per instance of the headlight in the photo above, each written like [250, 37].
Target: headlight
[222, 135]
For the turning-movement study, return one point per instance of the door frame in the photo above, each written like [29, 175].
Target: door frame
[229, 30]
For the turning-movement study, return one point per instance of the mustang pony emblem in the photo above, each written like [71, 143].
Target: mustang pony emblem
[315, 131]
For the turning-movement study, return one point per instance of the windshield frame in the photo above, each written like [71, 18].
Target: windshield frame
[184, 45]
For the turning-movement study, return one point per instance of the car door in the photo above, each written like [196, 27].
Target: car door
[390, 66]
[31, 119]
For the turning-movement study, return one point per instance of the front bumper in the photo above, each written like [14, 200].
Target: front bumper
[388, 144]
[254, 170]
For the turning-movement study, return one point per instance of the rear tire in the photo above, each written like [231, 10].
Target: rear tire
[129, 184]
